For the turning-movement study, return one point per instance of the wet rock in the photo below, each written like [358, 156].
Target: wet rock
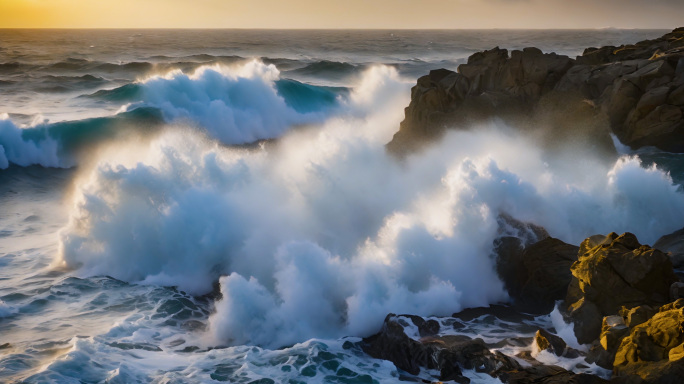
[447, 354]
[615, 272]
[534, 267]
[586, 317]
[599, 356]
[394, 345]
[673, 245]
[425, 327]
[548, 274]
[613, 330]
[547, 341]
[548, 374]
[535, 276]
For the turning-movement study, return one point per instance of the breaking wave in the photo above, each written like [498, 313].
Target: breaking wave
[236, 105]
[323, 233]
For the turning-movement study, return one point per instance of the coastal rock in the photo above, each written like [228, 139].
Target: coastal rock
[673, 245]
[547, 341]
[638, 315]
[447, 354]
[538, 275]
[548, 374]
[654, 350]
[638, 88]
[615, 272]
[451, 354]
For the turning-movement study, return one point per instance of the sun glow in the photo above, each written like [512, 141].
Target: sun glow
[411, 14]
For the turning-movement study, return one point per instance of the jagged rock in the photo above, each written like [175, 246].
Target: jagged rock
[586, 318]
[654, 350]
[613, 330]
[639, 88]
[599, 356]
[673, 244]
[535, 276]
[637, 315]
[612, 273]
[448, 354]
[547, 341]
[548, 374]
[394, 345]
[425, 327]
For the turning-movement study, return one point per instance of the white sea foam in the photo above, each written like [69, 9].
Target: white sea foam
[14, 148]
[236, 105]
[324, 234]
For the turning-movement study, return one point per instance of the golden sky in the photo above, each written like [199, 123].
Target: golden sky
[464, 14]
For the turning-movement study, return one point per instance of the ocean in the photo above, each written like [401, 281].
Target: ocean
[194, 206]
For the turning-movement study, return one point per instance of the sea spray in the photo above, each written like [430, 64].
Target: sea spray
[236, 105]
[16, 149]
[324, 233]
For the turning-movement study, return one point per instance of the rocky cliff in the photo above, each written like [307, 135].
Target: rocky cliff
[634, 91]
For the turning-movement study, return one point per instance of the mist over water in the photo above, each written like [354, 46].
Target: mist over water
[313, 232]
[324, 233]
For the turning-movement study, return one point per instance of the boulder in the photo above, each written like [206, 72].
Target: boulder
[535, 276]
[654, 350]
[547, 341]
[615, 272]
[447, 354]
[613, 330]
[673, 245]
[637, 315]
[548, 374]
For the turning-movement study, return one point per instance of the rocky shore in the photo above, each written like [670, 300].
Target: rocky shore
[623, 300]
[633, 91]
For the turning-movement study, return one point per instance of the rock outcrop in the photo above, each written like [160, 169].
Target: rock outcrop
[673, 245]
[535, 276]
[613, 272]
[451, 354]
[654, 350]
[635, 91]
[447, 354]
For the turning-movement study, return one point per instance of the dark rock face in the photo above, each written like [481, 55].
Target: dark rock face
[548, 374]
[614, 272]
[547, 341]
[448, 354]
[673, 245]
[635, 91]
[451, 354]
[536, 276]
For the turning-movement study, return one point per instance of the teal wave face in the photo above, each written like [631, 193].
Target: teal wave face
[125, 93]
[306, 98]
[58, 144]
[303, 98]
[74, 135]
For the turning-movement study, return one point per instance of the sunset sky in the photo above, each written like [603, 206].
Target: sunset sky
[341, 13]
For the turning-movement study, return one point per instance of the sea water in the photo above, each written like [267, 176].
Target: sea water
[183, 206]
